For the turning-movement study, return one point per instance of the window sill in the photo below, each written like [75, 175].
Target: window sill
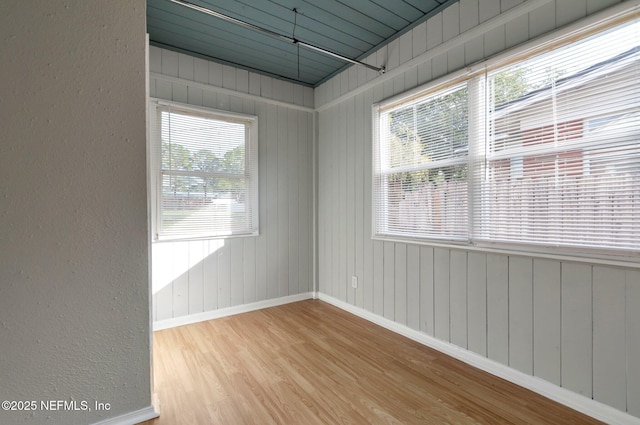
[628, 259]
[163, 239]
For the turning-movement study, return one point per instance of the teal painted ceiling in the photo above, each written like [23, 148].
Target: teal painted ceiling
[351, 28]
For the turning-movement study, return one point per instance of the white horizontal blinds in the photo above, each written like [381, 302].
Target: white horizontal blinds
[207, 172]
[421, 167]
[563, 147]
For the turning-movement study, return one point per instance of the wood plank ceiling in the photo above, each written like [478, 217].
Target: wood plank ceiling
[352, 28]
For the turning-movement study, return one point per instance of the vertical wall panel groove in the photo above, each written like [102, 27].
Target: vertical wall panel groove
[261, 241]
[441, 285]
[210, 275]
[224, 275]
[305, 206]
[271, 217]
[521, 314]
[196, 277]
[236, 272]
[498, 308]
[632, 332]
[324, 206]
[609, 356]
[343, 211]
[546, 320]
[337, 238]
[427, 294]
[458, 302]
[293, 182]
[366, 100]
[400, 283]
[283, 201]
[477, 302]
[378, 278]
[576, 328]
[413, 287]
[359, 189]
[389, 293]
[350, 181]
[180, 257]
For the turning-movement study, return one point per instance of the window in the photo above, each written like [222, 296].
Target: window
[421, 167]
[542, 151]
[204, 172]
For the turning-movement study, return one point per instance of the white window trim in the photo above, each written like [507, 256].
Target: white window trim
[477, 125]
[155, 161]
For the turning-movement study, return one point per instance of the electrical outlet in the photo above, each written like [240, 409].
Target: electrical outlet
[354, 282]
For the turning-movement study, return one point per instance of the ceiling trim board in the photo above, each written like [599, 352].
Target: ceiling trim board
[228, 92]
[287, 54]
[223, 62]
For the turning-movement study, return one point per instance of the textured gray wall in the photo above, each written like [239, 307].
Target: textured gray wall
[74, 309]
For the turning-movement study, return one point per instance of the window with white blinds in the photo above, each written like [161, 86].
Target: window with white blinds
[204, 166]
[542, 151]
[562, 164]
[420, 185]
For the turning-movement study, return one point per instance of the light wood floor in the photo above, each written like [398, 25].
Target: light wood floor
[310, 363]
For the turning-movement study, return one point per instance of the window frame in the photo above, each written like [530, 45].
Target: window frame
[381, 168]
[476, 76]
[251, 173]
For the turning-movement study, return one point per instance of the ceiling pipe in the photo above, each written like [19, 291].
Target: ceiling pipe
[381, 70]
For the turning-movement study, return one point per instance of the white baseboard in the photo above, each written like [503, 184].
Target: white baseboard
[573, 400]
[229, 311]
[131, 418]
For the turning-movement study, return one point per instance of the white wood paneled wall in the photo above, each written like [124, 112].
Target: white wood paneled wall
[206, 275]
[574, 324]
